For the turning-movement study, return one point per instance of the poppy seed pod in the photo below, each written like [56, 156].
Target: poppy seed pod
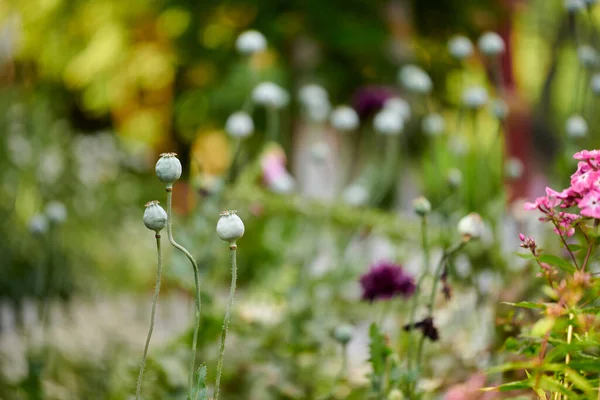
[471, 226]
[415, 79]
[343, 333]
[573, 6]
[239, 125]
[388, 122]
[595, 84]
[155, 217]
[475, 97]
[455, 178]
[460, 47]
[422, 206]
[576, 127]
[56, 212]
[491, 44]
[399, 106]
[168, 168]
[38, 224]
[344, 119]
[230, 227]
[251, 42]
[433, 124]
[269, 94]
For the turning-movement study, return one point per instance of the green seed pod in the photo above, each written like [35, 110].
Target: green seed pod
[422, 206]
[230, 227]
[343, 333]
[168, 168]
[155, 217]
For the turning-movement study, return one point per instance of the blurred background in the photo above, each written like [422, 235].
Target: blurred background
[91, 92]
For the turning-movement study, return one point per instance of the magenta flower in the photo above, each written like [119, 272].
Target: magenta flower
[370, 99]
[587, 155]
[590, 204]
[386, 280]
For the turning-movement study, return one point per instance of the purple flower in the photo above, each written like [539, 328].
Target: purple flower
[370, 99]
[386, 280]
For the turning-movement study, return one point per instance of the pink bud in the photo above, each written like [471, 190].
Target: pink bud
[521, 237]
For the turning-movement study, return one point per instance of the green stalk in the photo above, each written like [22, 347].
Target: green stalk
[152, 317]
[272, 124]
[415, 303]
[232, 248]
[196, 282]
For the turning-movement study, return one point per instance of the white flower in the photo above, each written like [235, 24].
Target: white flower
[595, 84]
[475, 97]
[355, 195]
[56, 212]
[399, 106]
[155, 217]
[415, 79]
[38, 224]
[576, 127]
[433, 124]
[588, 56]
[471, 226]
[269, 94]
[344, 119]
[239, 125]
[251, 42]
[574, 5]
[499, 109]
[388, 122]
[460, 47]
[168, 168]
[491, 44]
[513, 168]
[230, 227]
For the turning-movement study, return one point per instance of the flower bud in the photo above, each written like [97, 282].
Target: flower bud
[433, 124]
[56, 212]
[422, 206]
[251, 42]
[155, 217]
[38, 224]
[576, 127]
[343, 333]
[471, 226]
[414, 79]
[230, 227]
[168, 168]
[491, 44]
[475, 97]
[344, 119]
[239, 125]
[388, 122]
[460, 47]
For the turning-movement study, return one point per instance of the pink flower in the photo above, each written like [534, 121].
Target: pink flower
[544, 204]
[590, 204]
[565, 224]
[586, 155]
[581, 183]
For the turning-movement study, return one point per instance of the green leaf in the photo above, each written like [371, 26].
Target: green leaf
[525, 304]
[379, 351]
[200, 391]
[526, 256]
[557, 262]
[575, 247]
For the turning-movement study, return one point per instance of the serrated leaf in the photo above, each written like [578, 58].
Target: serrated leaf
[557, 262]
[379, 351]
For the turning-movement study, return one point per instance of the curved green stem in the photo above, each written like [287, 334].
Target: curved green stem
[272, 124]
[196, 282]
[152, 317]
[232, 248]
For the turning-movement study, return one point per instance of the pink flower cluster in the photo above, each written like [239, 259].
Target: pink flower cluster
[583, 193]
